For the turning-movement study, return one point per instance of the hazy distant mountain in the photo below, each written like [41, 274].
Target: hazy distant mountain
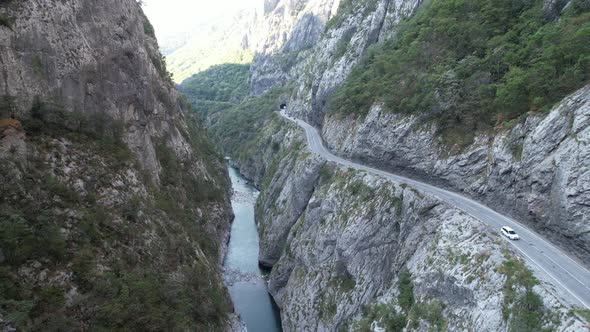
[223, 40]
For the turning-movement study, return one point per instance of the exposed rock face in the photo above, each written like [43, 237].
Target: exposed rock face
[536, 171]
[277, 156]
[288, 27]
[94, 57]
[117, 198]
[91, 57]
[339, 241]
[285, 205]
[318, 69]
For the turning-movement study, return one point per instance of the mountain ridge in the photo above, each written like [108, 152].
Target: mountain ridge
[115, 206]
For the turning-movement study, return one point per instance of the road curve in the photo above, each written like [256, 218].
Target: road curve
[570, 279]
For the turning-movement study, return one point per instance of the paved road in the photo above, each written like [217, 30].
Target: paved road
[569, 277]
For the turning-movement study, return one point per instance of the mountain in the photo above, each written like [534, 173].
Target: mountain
[114, 205]
[486, 99]
[223, 40]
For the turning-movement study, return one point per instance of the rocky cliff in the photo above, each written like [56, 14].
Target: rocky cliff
[536, 171]
[321, 56]
[114, 205]
[350, 251]
[532, 167]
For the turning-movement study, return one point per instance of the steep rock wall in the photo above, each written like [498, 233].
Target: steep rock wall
[339, 242]
[118, 202]
[536, 171]
[322, 57]
[344, 246]
[91, 57]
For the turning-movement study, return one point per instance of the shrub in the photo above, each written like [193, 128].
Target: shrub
[56, 188]
[146, 300]
[469, 75]
[50, 119]
[525, 311]
[6, 21]
[22, 239]
[7, 105]
[406, 290]
[37, 65]
[326, 172]
[343, 43]
[221, 83]
[148, 29]
[238, 129]
[585, 313]
[385, 315]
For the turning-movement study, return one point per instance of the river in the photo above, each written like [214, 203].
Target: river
[243, 277]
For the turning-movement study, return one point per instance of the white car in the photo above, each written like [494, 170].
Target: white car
[510, 233]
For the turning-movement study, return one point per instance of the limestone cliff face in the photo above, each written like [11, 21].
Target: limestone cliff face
[319, 58]
[91, 57]
[286, 29]
[536, 171]
[114, 207]
[351, 251]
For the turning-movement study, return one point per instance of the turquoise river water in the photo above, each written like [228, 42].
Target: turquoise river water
[244, 278]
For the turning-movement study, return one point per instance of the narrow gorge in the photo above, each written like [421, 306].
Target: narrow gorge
[410, 88]
[294, 165]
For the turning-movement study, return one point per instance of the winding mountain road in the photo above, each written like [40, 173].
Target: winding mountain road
[570, 279]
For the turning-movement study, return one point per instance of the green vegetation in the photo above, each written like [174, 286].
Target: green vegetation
[432, 312]
[238, 130]
[585, 313]
[327, 308]
[343, 43]
[181, 192]
[327, 172]
[176, 179]
[362, 191]
[148, 29]
[37, 65]
[217, 88]
[7, 106]
[524, 310]
[471, 65]
[412, 311]
[99, 129]
[6, 21]
[146, 300]
[218, 42]
[159, 62]
[347, 8]
[406, 290]
[387, 317]
[344, 283]
[135, 261]
[224, 83]
[34, 237]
